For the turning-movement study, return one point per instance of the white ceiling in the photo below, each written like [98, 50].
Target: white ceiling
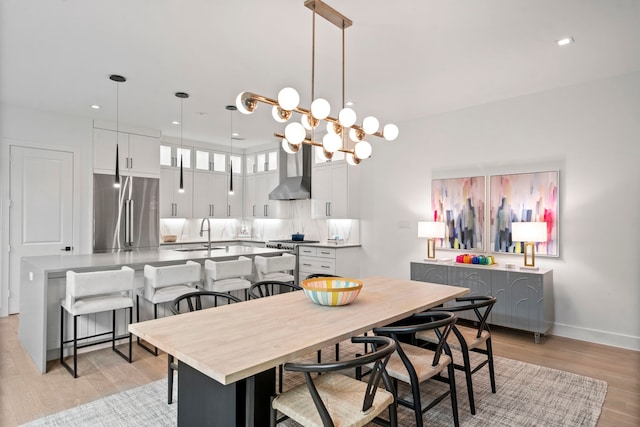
[404, 59]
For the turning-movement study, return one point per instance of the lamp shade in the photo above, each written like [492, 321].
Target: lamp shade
[431, 229]
[529, 231]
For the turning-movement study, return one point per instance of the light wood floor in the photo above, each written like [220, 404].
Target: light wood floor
[26, 395]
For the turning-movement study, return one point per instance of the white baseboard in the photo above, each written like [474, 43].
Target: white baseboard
[596, 336]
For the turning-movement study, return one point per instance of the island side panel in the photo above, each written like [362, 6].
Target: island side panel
[33, 313]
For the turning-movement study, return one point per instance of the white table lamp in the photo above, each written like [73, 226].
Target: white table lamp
[431, 230]
[529, 233]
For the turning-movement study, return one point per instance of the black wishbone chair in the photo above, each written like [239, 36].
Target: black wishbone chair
[266, 288]
[469, 339]
[335, 399]
[194, 301]
[415, 365]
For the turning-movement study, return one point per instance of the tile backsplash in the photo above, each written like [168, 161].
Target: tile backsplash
[268, 229]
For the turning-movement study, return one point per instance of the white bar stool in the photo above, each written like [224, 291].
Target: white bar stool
[164, 284]
[227, 276]
[276, 268]
[95, 292]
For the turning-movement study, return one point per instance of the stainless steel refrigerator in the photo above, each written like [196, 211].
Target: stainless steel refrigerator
[125, 218]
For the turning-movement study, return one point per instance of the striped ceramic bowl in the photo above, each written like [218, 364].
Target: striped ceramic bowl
[331, 291]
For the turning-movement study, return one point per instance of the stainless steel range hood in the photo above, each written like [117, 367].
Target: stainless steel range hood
[295, 175]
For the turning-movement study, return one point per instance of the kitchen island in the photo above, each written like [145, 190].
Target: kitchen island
[43, 285]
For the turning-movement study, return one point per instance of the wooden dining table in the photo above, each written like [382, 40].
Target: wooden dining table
[228, 354]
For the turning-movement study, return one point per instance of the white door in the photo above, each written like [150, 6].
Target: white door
[41, 211]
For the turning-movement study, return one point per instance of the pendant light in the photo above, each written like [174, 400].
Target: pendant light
[118, 79]
[231, 109]
[182, 96]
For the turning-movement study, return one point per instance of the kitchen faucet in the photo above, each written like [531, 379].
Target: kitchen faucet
[208, 233]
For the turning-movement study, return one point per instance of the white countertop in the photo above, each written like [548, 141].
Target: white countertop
[256, 240]
[330, 245]
[62, 263]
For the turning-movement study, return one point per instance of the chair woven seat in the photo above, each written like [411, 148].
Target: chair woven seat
[341, 395]
[421, 359]
[331, 398]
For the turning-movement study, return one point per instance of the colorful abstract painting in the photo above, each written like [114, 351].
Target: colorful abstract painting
[460, 203]
[523, 197]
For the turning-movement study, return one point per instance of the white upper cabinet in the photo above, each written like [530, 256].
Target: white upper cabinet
[234, 201]
[209, 195]
[174, 203]
[138, 155]
[334, 190]
[256, 197]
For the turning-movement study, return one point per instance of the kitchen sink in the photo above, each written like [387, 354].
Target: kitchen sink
[215, 248]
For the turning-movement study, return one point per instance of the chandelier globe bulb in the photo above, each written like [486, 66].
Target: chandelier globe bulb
[288, 98]
[390, 132]
[347, 117]
[295, 133]
[363, 150]
[320, 108]
[370, 125]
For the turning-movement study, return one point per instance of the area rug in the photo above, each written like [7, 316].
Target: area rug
[527, 395]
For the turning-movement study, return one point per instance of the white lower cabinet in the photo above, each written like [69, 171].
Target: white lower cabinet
[344, 261]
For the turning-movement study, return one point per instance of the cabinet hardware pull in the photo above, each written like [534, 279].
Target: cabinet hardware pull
[266, 210]
[130, 162]
[307, 265]
[253, 210]
[325, 266]
[228, 210]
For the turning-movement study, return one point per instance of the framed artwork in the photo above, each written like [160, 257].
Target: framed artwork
[460, 204]
[523, 197]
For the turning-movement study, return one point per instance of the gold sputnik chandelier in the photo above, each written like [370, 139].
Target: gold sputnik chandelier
[340, 129]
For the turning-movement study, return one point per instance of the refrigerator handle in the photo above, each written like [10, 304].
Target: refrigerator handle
[128, 220]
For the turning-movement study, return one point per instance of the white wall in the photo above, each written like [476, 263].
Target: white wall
[38, 129]
[591, 133]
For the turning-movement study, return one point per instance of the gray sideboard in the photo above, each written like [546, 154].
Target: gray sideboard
[524, 297]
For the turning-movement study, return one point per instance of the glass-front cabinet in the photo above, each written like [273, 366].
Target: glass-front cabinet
[170, 156]
[266, 161]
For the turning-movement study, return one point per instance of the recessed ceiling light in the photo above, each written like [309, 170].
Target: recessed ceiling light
[235, 134]
[349, 103]
[565, 41]
[95, 106]
[175, 122]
